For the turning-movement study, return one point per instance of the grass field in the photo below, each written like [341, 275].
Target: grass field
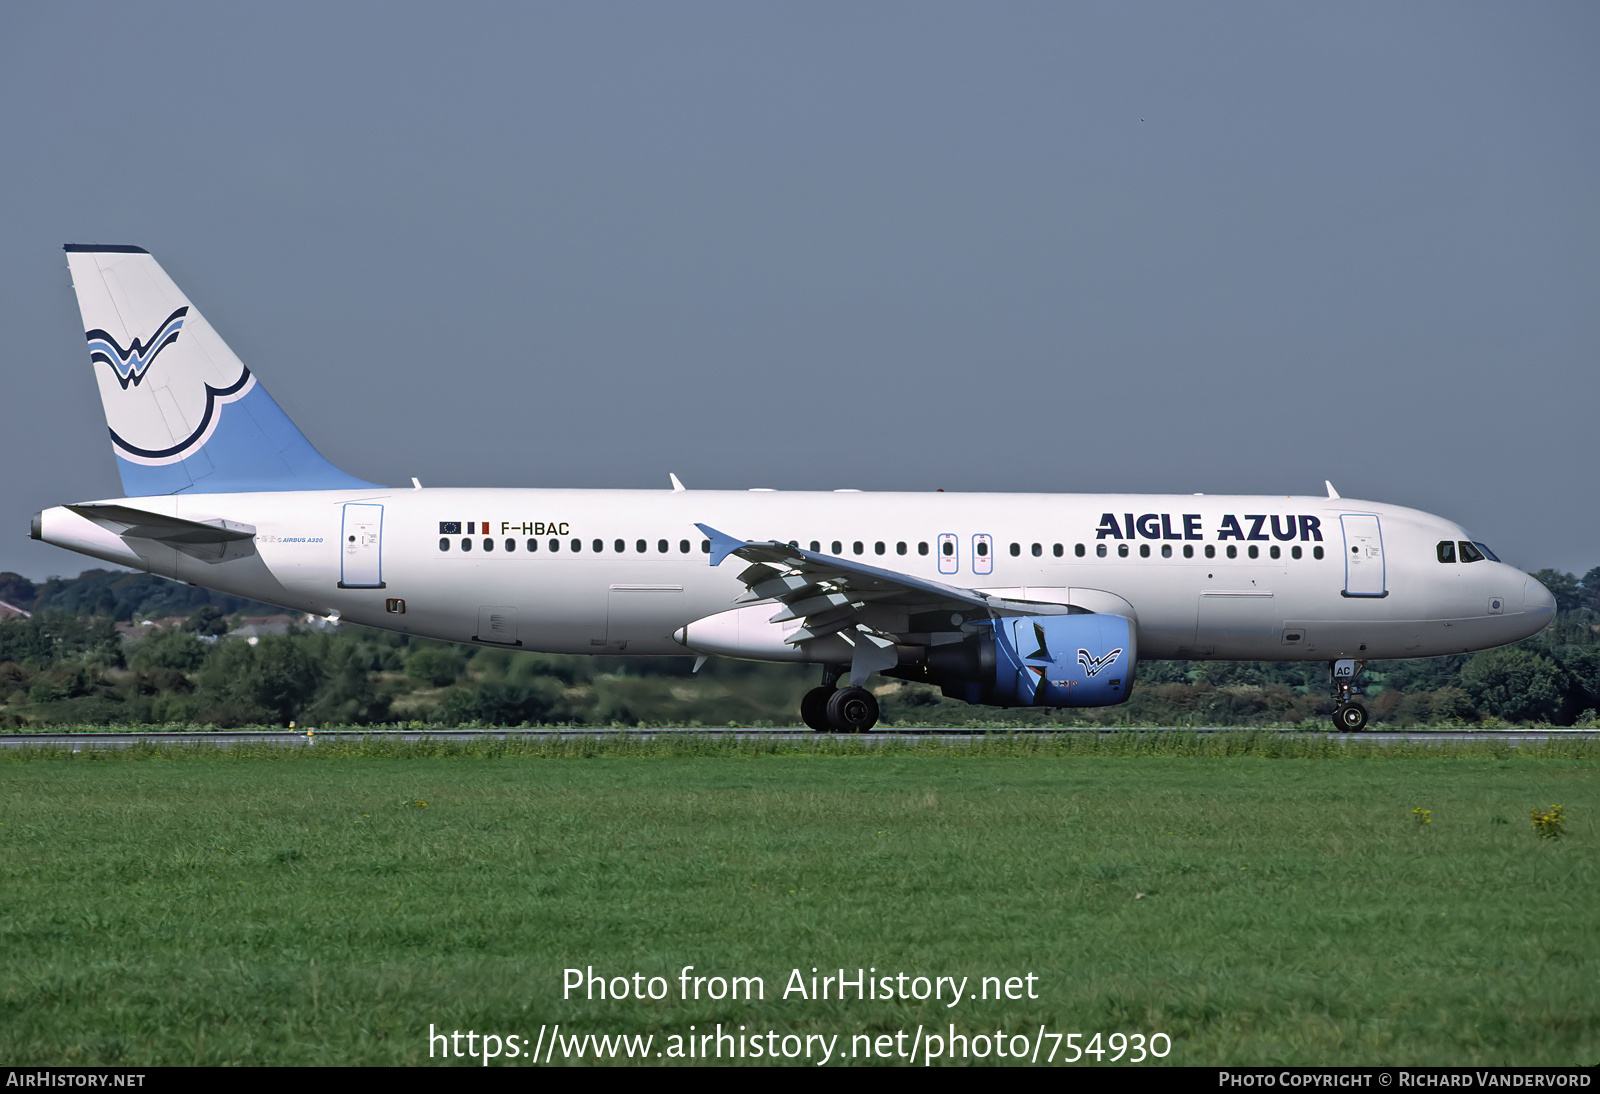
[1257, 899]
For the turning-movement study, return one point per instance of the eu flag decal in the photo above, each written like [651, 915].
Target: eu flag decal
[449, 527]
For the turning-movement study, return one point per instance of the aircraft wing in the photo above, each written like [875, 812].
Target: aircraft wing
[869, 607]
[789, 574]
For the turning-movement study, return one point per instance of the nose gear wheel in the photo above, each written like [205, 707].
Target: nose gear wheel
[1352, 717]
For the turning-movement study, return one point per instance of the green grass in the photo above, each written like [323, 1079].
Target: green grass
[1260, 899]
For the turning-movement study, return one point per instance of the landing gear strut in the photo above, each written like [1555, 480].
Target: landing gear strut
[1348, 715]
[841, 710]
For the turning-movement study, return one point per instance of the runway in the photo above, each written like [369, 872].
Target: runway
[928, 734]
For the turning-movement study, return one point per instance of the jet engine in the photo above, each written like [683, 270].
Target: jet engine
[1082, 660]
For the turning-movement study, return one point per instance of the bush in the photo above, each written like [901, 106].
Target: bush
[501, 704]
[263, 684]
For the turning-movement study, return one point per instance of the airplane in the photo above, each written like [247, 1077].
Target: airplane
[1016, 600]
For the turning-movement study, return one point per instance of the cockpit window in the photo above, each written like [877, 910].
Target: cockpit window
[1447, 551]
[1488, 554]
[1469, 553]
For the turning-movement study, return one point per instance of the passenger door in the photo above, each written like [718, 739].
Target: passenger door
[1363, 555]
[361, 547]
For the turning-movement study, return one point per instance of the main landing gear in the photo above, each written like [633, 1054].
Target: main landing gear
[1348, 715]
[840, 710]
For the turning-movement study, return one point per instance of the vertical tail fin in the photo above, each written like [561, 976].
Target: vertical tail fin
[185, 414]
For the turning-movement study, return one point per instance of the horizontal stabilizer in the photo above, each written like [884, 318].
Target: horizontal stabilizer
[141, 524]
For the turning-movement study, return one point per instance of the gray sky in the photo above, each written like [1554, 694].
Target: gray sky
[1230, 248]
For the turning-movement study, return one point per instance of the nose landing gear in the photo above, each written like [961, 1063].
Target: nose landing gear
[1348, 715]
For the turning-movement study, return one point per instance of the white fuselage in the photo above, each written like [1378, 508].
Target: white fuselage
[621, 571]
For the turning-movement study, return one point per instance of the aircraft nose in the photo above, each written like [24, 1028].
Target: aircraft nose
[1537, 601]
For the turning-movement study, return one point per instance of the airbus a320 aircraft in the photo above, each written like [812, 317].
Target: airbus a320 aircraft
[1005, 599]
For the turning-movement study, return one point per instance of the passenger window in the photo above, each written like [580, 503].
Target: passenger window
[555, 545]
[1274, 551]
[1255, 552]
[1316, 552]
[705, 546]
[983, 548]
[1078, 550]
[619, 545]
[1122, 550]
[1469, 553]
[641, 546]
[488, 544]
[949, 549]
[816, 548]
[878, 548]
[1016, 549]
[1100, 550]
[444, 545]
[1144, 550]
[1166, 550]
[1294, 552]
[1233, 552]
[857, 546]
[661, 546]
[1059, 551]
[1188, 550]
[922, 548]
[466, 545]
[1211, 550]
[838, 548]
[533, 545]
[577, 545]
[683, 546]
[900, 548]
[1446, 551]
[599, 546]
[1037, 550]
[511, 545]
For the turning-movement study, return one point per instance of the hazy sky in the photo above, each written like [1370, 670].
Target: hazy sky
[1230, 248]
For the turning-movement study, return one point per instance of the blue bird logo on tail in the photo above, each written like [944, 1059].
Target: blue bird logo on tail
[132, 363]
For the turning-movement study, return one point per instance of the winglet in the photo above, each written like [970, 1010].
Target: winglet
[677, 487]
[722, 544]
[1332, 493]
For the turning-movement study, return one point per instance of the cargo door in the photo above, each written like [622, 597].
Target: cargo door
[643, 612]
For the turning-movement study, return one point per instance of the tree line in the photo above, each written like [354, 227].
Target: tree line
[68, 664]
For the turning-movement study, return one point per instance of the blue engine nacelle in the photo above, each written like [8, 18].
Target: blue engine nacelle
[1041, 661]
